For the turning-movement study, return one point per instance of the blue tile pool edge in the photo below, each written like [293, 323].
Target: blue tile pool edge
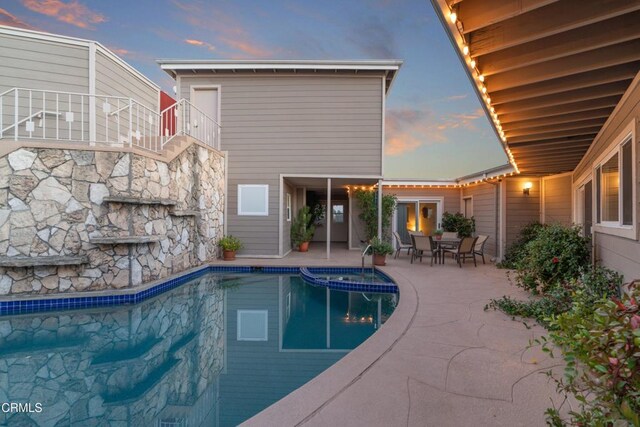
[38, 303]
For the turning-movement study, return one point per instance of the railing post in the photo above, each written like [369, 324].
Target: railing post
[130, 124]
[15, 116]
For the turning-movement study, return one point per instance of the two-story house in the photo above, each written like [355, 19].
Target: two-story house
[295, 133]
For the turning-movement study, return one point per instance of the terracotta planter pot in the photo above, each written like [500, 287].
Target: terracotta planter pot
[438, 236]
[304, 247]
[379, 259]
[228, 255]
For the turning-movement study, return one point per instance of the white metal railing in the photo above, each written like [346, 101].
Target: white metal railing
[184, 118]
[117, 121]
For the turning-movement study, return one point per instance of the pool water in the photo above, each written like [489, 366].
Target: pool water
[213, 352]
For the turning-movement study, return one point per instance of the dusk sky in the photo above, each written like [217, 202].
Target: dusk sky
[435, 127]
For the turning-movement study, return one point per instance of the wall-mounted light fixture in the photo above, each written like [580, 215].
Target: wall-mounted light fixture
[527, 186]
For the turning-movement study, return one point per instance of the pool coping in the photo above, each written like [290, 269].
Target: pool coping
[17, 304]
[303, 403]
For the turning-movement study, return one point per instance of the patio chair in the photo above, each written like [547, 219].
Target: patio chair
[448, 235]
[465, 248]
[423, 245]
[400, 246]
[479, 248]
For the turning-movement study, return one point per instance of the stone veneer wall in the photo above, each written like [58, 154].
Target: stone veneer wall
[80, 366]
[52, 203]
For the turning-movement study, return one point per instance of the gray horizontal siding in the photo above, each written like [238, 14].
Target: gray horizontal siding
[292, 124]
[115, 80]
[45, 65]
[557, 200]
[620, 254]
[520, 209]
[484, 212]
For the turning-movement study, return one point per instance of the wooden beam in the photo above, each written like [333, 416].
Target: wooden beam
[580, 63]
[575, 107]
[602, 113]
[476, 14]
[570, 163]
[567, 141]
[562, 98]
[602, 34]
[553, 19]
[586, 132]
[624, 72]
[580, 124]
[533, 151]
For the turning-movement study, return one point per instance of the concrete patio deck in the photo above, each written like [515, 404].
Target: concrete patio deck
[440, 360]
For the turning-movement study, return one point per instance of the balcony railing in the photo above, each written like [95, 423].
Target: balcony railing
[184, 118]
[117, 121]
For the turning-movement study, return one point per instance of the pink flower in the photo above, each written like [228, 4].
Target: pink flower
[635, 321]
[555, 260]
[613, 361]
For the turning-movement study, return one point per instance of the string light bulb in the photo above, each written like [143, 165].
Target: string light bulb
[453, 17]
[465, 49]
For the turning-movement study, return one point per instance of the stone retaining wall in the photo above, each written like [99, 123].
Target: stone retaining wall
[52, 204]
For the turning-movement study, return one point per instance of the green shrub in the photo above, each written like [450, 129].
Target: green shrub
[368, 205]
[380, 247]
[458, 223]
[516, 251]
[302, 227]
[594, 284]
[230, 243]
[556, 255]
[601, 347]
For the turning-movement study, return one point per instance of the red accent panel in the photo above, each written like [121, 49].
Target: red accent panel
[168, 118]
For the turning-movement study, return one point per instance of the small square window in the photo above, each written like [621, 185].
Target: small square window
[253, 200]
[253, 325]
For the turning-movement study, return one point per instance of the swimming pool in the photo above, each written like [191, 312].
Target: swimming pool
[213, 351]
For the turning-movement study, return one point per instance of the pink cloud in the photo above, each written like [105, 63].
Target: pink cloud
[409, 129]
[72, 12]
[230, 37]
[7, 18]
[195, 42]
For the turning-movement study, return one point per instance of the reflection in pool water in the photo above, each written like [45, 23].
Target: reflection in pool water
[212, 352]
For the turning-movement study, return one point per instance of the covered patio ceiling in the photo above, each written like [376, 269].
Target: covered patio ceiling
[548, 72]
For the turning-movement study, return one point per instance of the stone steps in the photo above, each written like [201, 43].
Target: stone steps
[41, 261]
[138, 201]
[125, 240]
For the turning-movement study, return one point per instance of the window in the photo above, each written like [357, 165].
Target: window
[337, 213]
[467, 207]
[614, 190]
[253, 200]
[289, 207]
[253, 325]
[627, 183]
[609, 188]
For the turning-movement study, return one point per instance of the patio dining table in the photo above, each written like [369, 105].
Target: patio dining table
[445, 241]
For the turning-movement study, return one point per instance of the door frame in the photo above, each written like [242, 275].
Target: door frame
[217, 87]
[438, 200]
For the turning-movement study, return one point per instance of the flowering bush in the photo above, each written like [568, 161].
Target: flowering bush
[601, 347]
[516, 251]
[556, 254]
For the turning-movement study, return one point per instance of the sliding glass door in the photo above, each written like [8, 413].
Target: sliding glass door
[424, 216]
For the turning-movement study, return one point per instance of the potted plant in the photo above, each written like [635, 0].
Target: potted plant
[380, 249]
[302, 229]
[438, 233]
[230, 245]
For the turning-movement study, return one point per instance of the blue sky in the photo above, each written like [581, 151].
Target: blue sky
[435, 127]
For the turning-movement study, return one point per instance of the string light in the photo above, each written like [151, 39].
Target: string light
[453, 17]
